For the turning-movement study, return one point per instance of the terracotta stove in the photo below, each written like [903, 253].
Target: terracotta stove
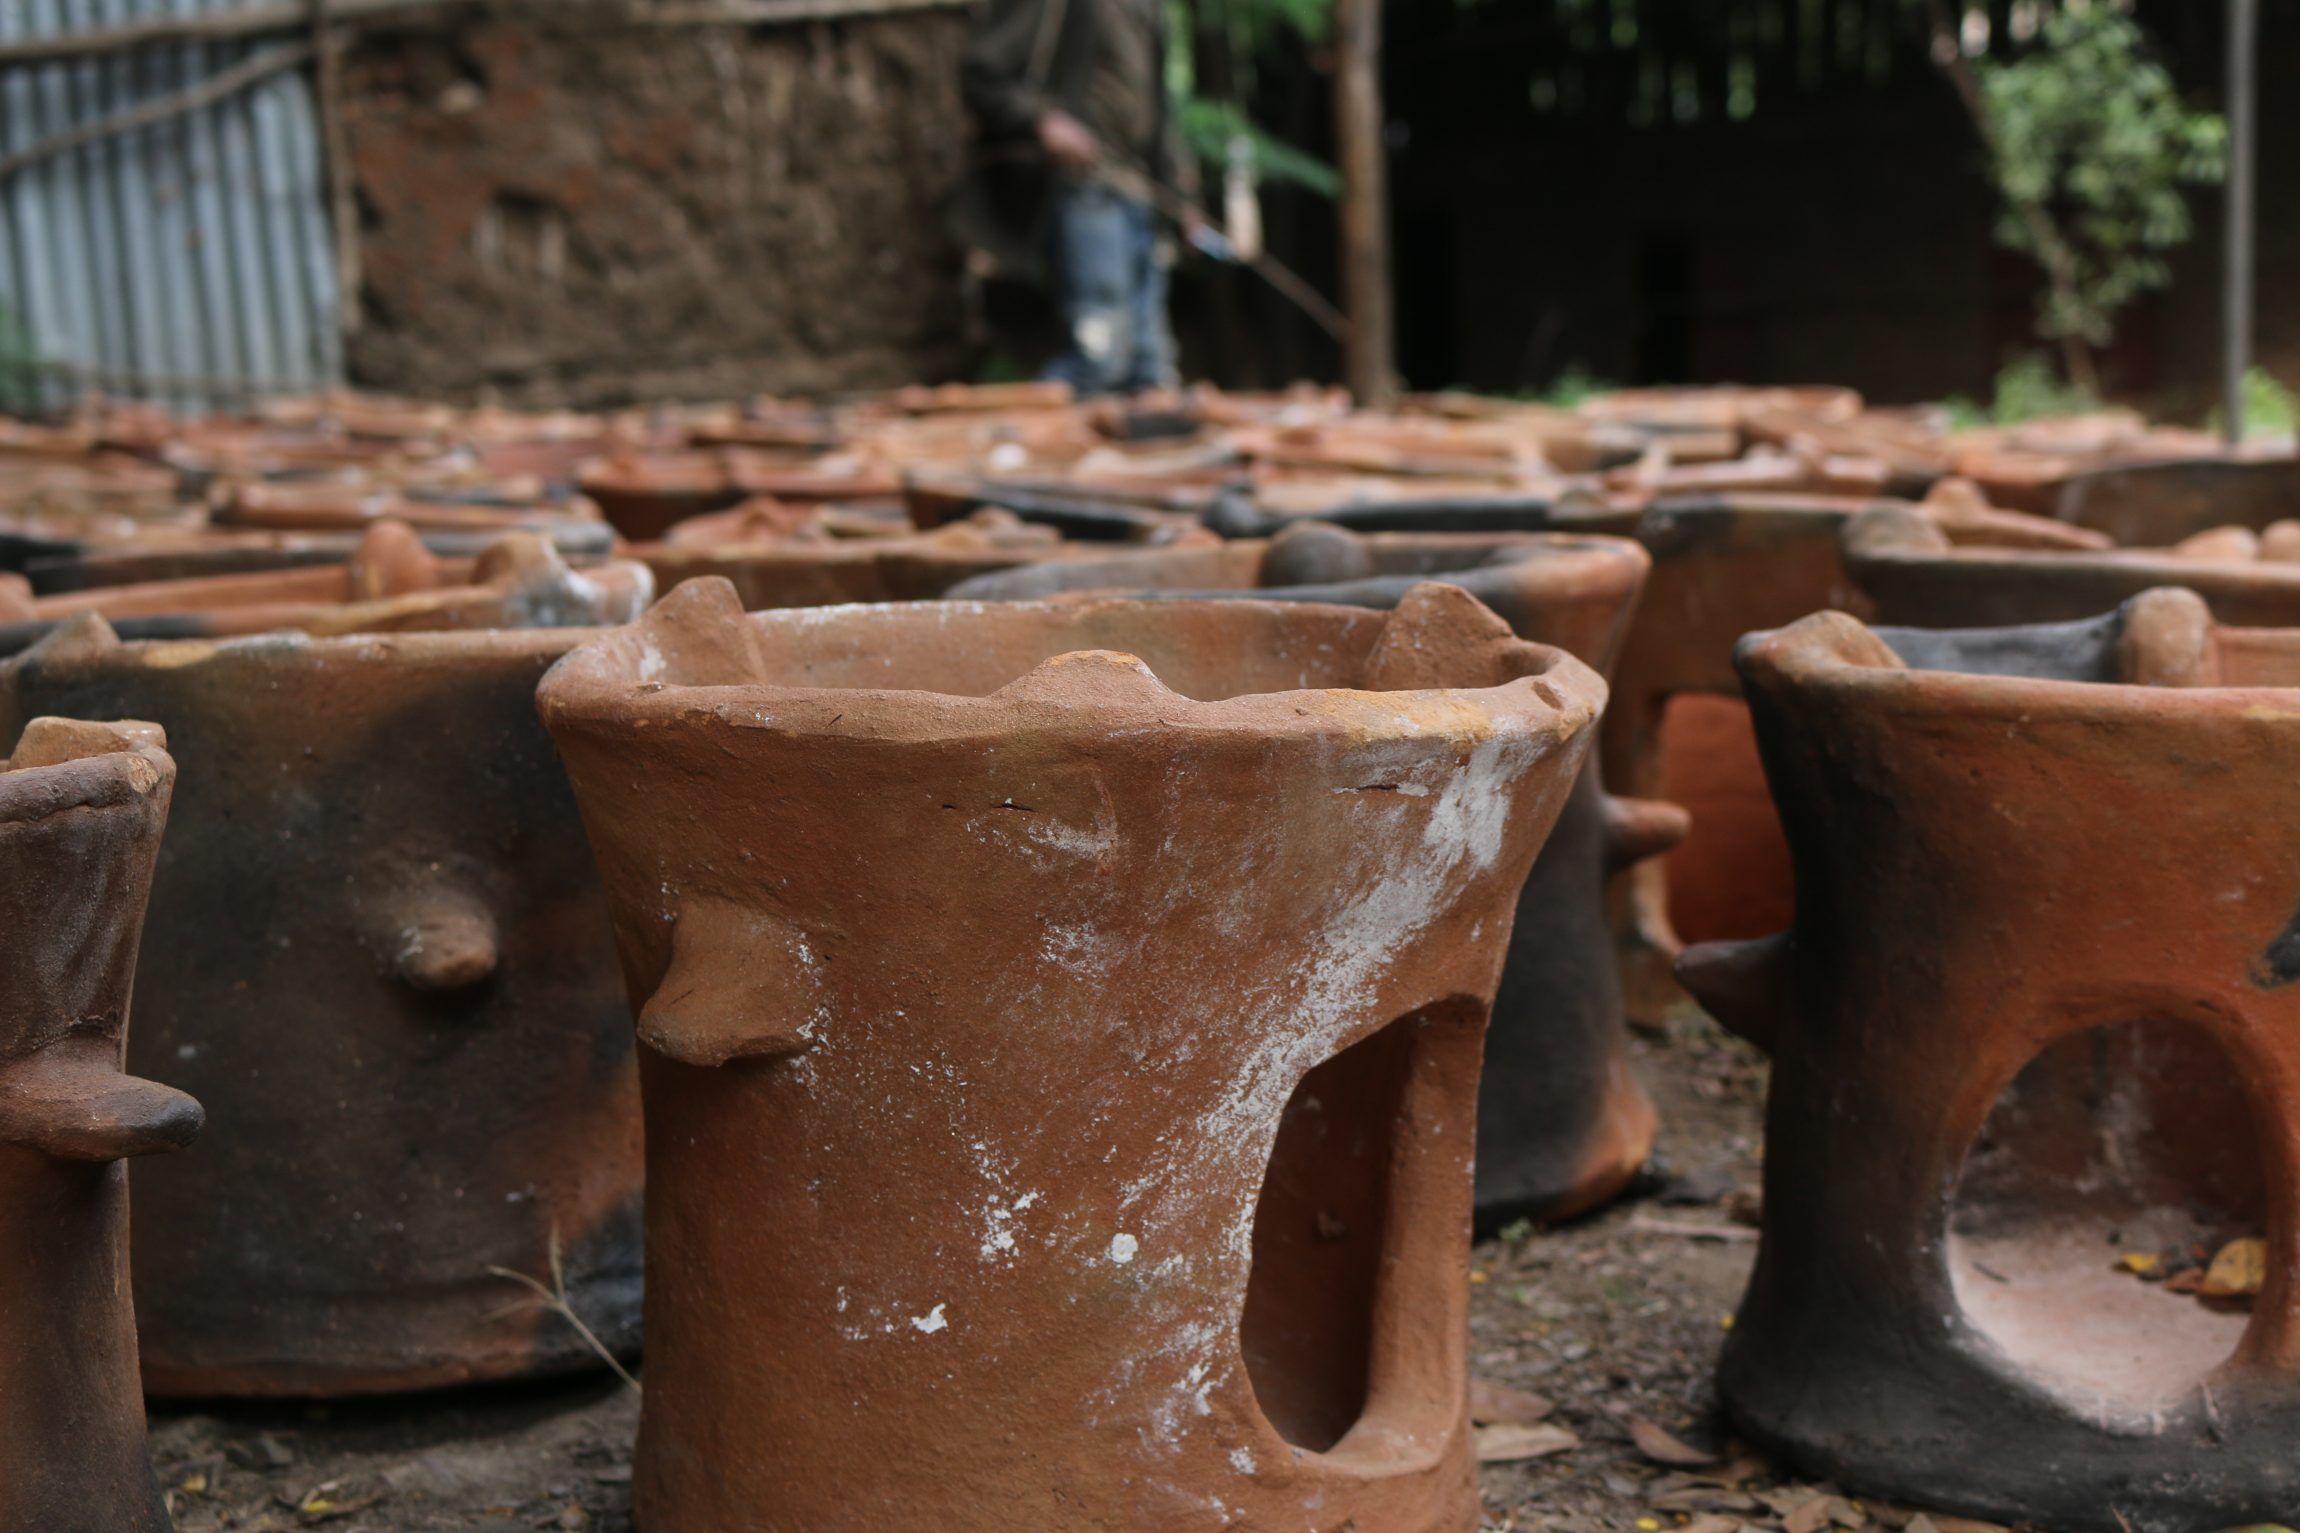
[2034, 1042]
[82, 806]
[1061, 1037]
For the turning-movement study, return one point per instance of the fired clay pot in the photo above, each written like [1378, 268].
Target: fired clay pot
[1060, 1087]
[1722, 566]
[825, 572]
[1913, 574]
[1563, 1123]
[377, 949]
[2158, 503]
[2035, 1027]
[81, 810]
[643, 494]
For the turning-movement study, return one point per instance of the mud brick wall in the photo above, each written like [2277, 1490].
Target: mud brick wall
[589, 217]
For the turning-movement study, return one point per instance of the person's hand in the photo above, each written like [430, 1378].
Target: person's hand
[1067, 141]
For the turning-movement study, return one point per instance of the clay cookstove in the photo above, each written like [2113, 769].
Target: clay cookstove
[378, 951]
[81, 810]
[2036, 1047]
[1562, 1121]
[1062, 1045]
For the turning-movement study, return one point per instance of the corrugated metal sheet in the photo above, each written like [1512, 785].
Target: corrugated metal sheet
[189, 261]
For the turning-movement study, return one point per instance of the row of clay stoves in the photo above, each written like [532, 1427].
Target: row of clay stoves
[873, 872]
[374, 831]
[878, 879]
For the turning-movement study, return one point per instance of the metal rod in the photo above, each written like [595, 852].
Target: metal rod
[209, 26]
[295, 16]
[2242, 191]
[206, 93]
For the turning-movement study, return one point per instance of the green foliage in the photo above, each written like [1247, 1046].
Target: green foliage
[2027, 389]
[1001, 366]
[21, 392]
[2091, 148]
[1209, 128]
[1572, 387]
[2270, 409]
[1243, 31]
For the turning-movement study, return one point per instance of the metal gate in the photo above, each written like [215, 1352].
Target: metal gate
[164, 230]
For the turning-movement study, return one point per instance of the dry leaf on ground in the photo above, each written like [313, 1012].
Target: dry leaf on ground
[1821, 1511]
[1657, 1444]
[1498, 1404]
[1514, 1442]
[2238, 1271]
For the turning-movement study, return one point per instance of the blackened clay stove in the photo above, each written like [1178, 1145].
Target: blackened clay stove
[1060, 1087]
[1724, 566]
[2033, 1042]
[81, 810]
[378, 951]
[1563, 1123]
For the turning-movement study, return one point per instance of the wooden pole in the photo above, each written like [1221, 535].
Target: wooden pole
[1369, 357]
[2242, 190]
[335, 153]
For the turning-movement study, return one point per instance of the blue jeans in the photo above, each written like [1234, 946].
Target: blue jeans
[1111, 285]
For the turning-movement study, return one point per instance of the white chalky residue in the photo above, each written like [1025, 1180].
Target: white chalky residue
[1242, 1460]
[1079, 949]
[1001, 1208]
[1302, 1021]
[1076, 840]
[1123, 1247]
[931, 1321]
[651, 665]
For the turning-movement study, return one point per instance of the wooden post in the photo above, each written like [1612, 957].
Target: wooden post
[1369, 356]
[335, 153]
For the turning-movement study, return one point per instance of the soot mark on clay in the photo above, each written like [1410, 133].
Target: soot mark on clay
[2280, 964]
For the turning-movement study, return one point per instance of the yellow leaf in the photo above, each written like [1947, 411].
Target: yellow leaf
[2141, 1261]
[2239, 1269]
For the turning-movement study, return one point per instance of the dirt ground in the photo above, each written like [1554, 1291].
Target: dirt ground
[1611, 1321]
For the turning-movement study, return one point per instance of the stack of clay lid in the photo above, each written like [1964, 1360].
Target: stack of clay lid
[391, 583]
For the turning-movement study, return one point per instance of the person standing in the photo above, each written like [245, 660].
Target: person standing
[1076, 91]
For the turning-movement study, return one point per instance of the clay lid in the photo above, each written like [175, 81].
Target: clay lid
[1439, 671]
